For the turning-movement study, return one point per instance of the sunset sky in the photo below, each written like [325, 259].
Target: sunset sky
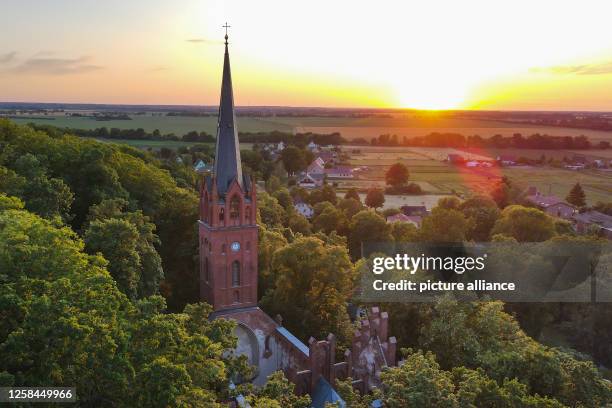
[481, 54]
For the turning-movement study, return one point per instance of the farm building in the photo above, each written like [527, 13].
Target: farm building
[308, 180]
[550, 204]
[316, 167]
[339, 172]
[593, 219]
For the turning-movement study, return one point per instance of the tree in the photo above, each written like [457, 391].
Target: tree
[312, 284]
[299, 223]
[117, 239]
[270, 241]
[270, 211]
[64, 321]
[328, 218]
[325, 193]
[576, 196]
[449, 203]
[367, 226]
[352, 193]
[375, 198]
[481, 213]
[481, 334]
[404, 232]
[131, 255]
[524, 224]
[444, 225]
[397, 175]
[278, 390]
[419, 382]
[350, 206]
[293, 159]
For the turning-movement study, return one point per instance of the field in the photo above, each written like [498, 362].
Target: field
[397, 201]
[426, 165]
[350, 128]
[165, 124]
[438, 178]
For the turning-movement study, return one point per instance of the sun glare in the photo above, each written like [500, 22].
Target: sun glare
[424, 95]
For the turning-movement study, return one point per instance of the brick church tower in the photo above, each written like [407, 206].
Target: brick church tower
[227, 225]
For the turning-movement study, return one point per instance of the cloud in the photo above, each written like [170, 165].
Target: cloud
[56, 66]
[203, 41]
[8, 57]
[600, 68]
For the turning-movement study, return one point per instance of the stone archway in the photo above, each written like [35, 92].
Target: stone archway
[247, 346]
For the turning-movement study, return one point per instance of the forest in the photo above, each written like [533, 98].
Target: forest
[99, 287]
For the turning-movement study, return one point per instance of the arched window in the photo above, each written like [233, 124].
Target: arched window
[235, 208]
[206, 270]
[222, 214]
[235, 273]
[248, 246]
[223, 248]
[236, 296]
[247, 214]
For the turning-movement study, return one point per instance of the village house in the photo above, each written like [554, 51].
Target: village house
[303, 208]
[412, 219]
[593, 220]
[313, 147]
[550, 204]
[308, 180]
[339, 172]
[316, 167]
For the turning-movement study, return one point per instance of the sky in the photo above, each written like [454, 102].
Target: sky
[424, 54]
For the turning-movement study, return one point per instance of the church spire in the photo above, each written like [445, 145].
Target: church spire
[227, 152]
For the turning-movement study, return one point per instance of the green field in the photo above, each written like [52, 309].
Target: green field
[165, 124]
[438, 177]
[349, 128]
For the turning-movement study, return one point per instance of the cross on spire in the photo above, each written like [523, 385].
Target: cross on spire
[226, 26]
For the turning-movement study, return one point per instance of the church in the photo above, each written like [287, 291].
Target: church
[228, 243]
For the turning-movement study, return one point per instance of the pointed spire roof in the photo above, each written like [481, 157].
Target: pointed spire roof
[227, 153]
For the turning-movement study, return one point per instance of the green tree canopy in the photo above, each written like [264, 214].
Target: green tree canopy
[65, 322]
[375, 198]
[365, 226]
[312, 284]
[444, 225]
[576, 196]
[352, 193]
[397, 175]
[524, 224]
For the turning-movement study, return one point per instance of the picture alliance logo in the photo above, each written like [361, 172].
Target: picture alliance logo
[412, 264]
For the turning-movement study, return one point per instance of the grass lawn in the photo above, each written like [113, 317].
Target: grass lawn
[350, 128]
[435, 176]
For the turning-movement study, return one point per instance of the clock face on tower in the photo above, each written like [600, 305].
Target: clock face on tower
[235, 246]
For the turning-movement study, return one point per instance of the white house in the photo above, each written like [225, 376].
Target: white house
[307, 180]
[316, 167]
[280, 146]
[312, 146]
[303, 208]
[339, 172]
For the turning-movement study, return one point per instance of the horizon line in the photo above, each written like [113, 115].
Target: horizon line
[348, 108]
